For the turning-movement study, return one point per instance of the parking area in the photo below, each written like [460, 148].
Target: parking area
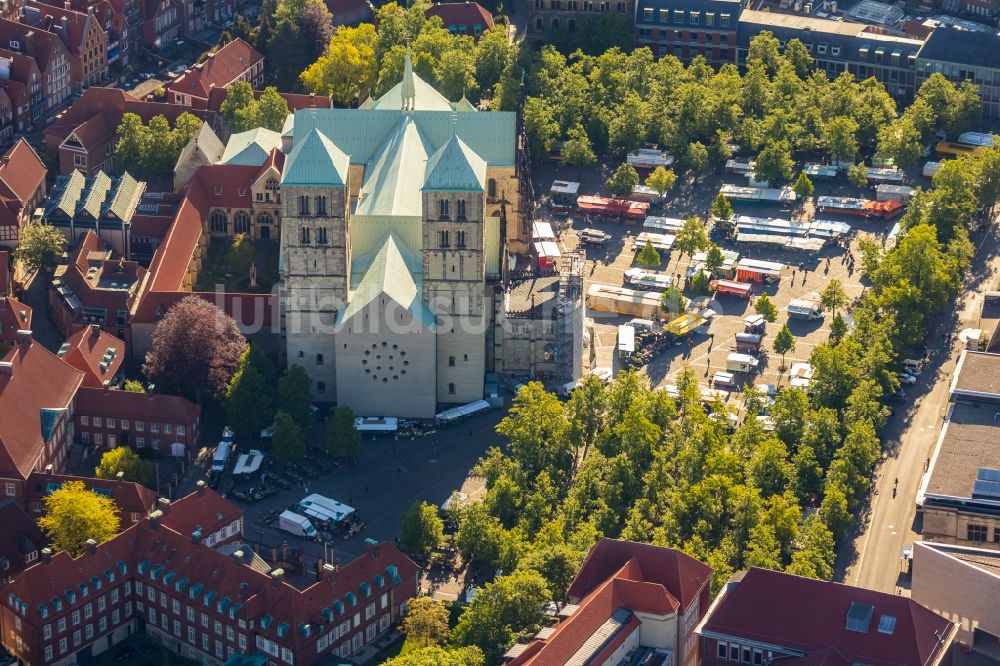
[706, 349]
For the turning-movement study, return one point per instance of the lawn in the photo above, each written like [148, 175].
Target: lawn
[218, 267]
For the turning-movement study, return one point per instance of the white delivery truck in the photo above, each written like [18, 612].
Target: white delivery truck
[296, 524]
[222, 451]
[593, 236]
[799, 308]
[741, 363]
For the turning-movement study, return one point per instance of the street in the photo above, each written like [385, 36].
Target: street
[909, 439]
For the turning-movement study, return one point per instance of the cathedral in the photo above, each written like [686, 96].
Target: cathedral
[392, 243]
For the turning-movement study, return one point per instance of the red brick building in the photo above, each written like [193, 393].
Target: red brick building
[134, 500]
[197, 601]
[236, 61]
[81, 33]
[22, 188]
[105, 419]
[24, 70]
[95, 353]
[462, 18]
[49, 52]
[764, 617]
[628, 598]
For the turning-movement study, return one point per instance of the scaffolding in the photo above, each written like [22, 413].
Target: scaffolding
[569, 317]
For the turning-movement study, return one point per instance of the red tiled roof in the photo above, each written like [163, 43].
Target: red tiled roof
[129, 496]
[91, 294]
[809, 616]
[171, 259]
[22, 66]
[295, 101]
[51, 19]
[468, 14]
[17, 91]
[22, 172]
[139, 406]
[227, 185]
[218, 71]
[86, 349]
[46, 45]
[251, 311]
[93, 132]
[681, 575]
[204, 510]
[14, 316]
[275, 159]
[150, 226]
[38, 381]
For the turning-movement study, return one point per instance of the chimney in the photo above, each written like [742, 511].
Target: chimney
[371, 545]
[46, 555]
[120, 476]
[238, 555]
[201, 487]
[164, 505]
[107, 385]
[196, 536]
[154, 519]
[6, 368]
[329, 573]
[95, 329]
[91, 546]
[48, 470]
[24, 336]
[277, 577]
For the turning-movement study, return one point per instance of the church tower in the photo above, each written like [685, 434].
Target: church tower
[454, 267]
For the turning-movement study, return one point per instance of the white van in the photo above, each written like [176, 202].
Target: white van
[568, 388]
[604, 374]
[593, 236]
[296, 524]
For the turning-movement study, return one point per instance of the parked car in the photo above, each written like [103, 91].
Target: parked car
[898, 396]
[907, 378]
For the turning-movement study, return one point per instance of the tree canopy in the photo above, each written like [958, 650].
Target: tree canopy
[125, 460]
[421, 529]
[150, 151]
[39, 246]
[74, 514]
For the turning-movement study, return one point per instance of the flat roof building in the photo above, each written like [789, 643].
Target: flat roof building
[961, 55]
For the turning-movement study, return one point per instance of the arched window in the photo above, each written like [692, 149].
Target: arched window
[219, 222]
[491, 188]
[538, 24]
[272, 184]
[303, 205]
[241, 223]
[460, 209]
[555, 24]
[264, 219]
[320, 387]
[319, 359]
[451, 389]
[443, 209]
[571, 25]
[451, 360]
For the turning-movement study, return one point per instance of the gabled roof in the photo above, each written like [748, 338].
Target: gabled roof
[315, 160]
[412, 93]
[149, 406]
[218, 71]
[455, 167]
[456, 15]
[394, 176]
[173, 256]
[807, 616]
[227, 185]
[205, 142]
[251, 148]
[391, 272]
[47, 45]
[22, 172]
[130, 497]
[87, 350]
[14, 316]
[204, 509]
[681, 575]
[295, 101]
[37, 382]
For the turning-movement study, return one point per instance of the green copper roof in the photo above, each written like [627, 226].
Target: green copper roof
[456, 167]
[49, 419]
[71, 188]
[412, 93]
[464, 105]
[125, 197]
[360, 132]
[97, 192]
[394, 176]
[251, 148]
[391, 272]
[315, 160]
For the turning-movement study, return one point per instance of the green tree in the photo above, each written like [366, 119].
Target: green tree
[803, 186]
[784, 342]
[838, 327]
[130, 148]
[342, 437]
[577, 151]
[691, 237]
[439, 656]
[714, 259]
[871, 256]
[901, 141]
[833, 296]
[701, 284]
[763, 549]
[456, 72]
[249, 401]
[630, 123]
[858, 175]
[500, 611]
[494, 55]
[294, 396]
[540, 127]
[425, 624]
[661, 180]
[536, 427]
[623, 181]
[73, 515]
[774, 162]
[239, 98]
[840, 137]
[648, 257]
[696, 157]
[271, 110]
[721, 208]
[421, 530]
[798, 55]
[185, 127]
[124, 459]
[39, 246]
[288, 442]
[348, 68]
[814, 558]
[241, 253]
[161, 151]
[673, 300]
[765, 307]
[134, 386]
[479, 533]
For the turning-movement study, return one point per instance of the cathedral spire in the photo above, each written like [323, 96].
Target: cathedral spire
[408, 92]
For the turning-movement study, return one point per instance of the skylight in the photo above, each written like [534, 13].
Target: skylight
[859, 617]
[887, 624]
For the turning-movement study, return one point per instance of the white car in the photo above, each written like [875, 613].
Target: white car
[907, 378]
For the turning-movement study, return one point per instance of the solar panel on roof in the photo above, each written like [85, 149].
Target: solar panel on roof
[988, 474]
[986, 488]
